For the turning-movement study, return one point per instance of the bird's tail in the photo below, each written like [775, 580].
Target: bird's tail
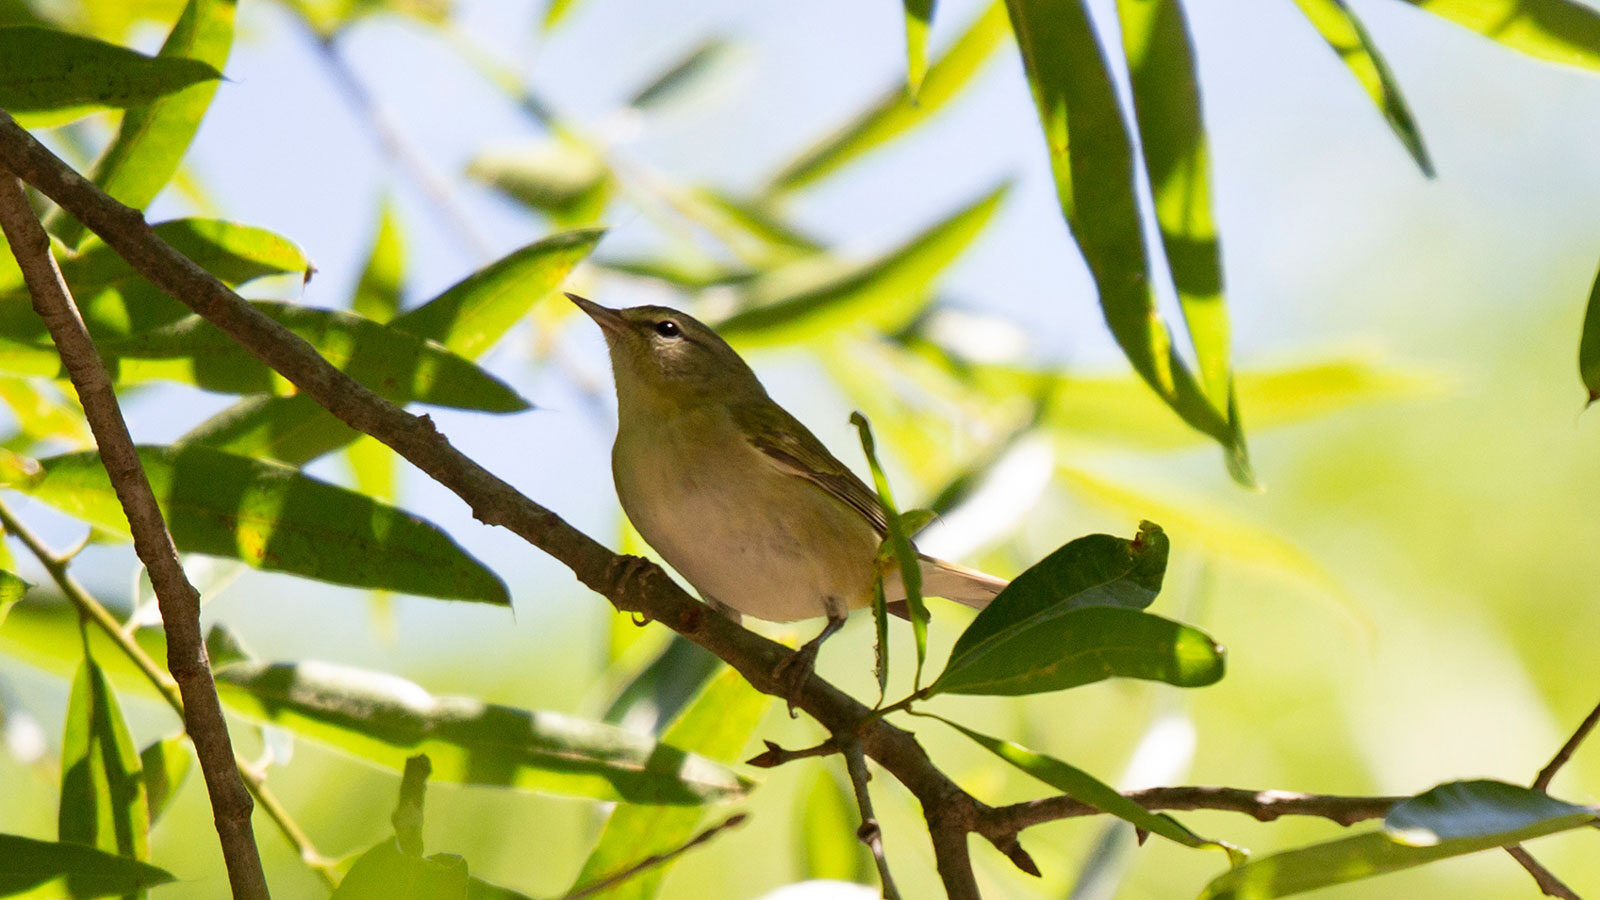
[968, 587]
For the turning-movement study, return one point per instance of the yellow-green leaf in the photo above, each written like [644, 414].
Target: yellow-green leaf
[919, 19]
[78, 871]
[103, 801]
[1563, 31]
[50, 77]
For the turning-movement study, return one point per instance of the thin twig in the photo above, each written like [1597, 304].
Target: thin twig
[1263, 806]
[869, 833]
[651, 862]
[1548, 883]
[102, 618]
[775, 756]
[1548, 773]
[179, 601]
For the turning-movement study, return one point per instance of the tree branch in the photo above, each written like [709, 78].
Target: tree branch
[869, 833]
[1548, 773]
[1548, 883]
[179, 601]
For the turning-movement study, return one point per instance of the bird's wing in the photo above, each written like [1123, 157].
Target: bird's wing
[781, 437]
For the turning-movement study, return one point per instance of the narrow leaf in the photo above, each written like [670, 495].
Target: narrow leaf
[1085, 788]
[1589, 345]
[884, 294]
[165, 764]
[1563, 31]
[1338, 25]
[1091, 153]
[153, 138]
[1083, 646]
[274, 518]
[1450, 820]
[50, 77]
[82, 871]
[679, 76]
[11, 590]
[896, 113]
[385, 719]
[386, 872]
[919, 19]
[718, 724]
[904, 554]
[556, 11]
[561, 178]
[1096, 570]
[103, 802]
[377, 295]
[664, 687]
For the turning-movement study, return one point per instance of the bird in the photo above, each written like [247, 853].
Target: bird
[738, 496]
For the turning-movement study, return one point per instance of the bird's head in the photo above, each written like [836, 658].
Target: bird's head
[663, 357]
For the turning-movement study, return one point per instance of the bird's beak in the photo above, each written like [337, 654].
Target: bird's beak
[607, 318]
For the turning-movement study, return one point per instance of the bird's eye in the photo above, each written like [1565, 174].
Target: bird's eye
[668, 328]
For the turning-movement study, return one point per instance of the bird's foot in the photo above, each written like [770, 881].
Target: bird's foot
[627, 573]
[796, 669]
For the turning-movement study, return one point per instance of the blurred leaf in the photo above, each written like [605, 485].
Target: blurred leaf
[1166, 102]
[718, 724]
[1339, 26]
[689, 275]
[828, 847]
[116, 301]
[384, 719]
[103, 802]
[900, 542]
[41, 412]
[384, 357]
[50, 77]
[1083, 646]
[1085, 788]
[386, 872]
[1450, 820]
[374, 468]
[679, 76]
[1589, 345]
[165, 764]
[561, 178]
[919, 19]
[556, 11]
[275, 518]
[752, 229]
[1561, 31]
[1094, 570]
[409, 809]
[468, 319]
[377, 295]
[12, 589]
[328, 17]
[896, 113]
[1073, 90]
[661, 690]
[883, 294]
[152, 139]
[82, 871]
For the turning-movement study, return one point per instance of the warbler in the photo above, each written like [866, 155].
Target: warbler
[738, 496]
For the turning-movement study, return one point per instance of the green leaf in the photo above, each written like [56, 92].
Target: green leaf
[1450, 820]
[384, 719]
[165, 764]
[919, 18]
[468, 319]
[1082, 646]
[718, 724]
[561, 178]
[900, 542]
[81, 871]
[884, 294]
[385, 872]
[377, 295]
[1339, 26]
[826, 836]
[753, 229]
[153, 138]
[676, 78]
[50, 77]
[1562, 31]
[42, 413]
[1091, 153]
[384, 357]
[11, 590]
[1166, 102]
[661, 690]
[103, 800]
[1085, 788]
[557, 11]
[1095, 570]
[896, 113]
[116, 301]
[274, 518]
[1589, 345]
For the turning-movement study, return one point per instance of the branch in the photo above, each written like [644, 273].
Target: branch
[869, 832]
[1548, 883]
[1548, 773]
[179, 601]
[658, 859]
[1263, 806]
